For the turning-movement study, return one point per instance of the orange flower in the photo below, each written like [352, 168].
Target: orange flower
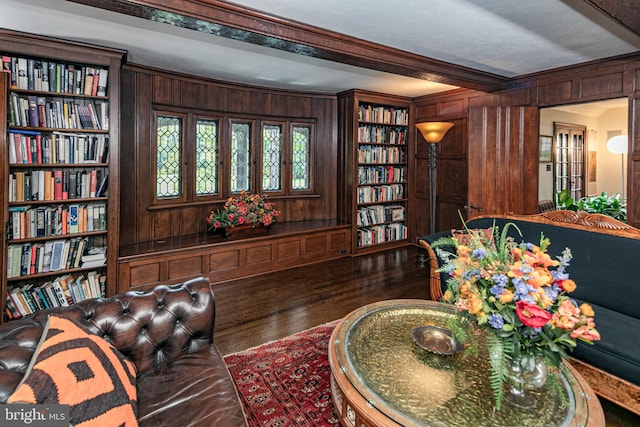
[474, 304]
[568, 285]
[587, 310]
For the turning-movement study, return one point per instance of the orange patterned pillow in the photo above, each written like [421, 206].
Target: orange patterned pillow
[74, 367]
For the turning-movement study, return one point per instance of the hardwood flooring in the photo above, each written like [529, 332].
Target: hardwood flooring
[271, 306]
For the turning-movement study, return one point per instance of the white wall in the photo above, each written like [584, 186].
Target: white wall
[608, 165]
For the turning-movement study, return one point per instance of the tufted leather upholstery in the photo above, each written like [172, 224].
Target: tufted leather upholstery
[167, 332]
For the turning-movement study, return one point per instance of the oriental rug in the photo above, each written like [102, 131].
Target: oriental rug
[286, 383]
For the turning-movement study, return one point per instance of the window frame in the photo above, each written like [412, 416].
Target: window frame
[225, 121]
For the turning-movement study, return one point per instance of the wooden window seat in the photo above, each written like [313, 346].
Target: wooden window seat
[288, 244]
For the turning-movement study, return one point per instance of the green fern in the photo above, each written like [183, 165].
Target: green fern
[498, 358]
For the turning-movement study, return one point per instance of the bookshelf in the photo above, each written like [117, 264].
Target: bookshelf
[376, 136]
[59, 171]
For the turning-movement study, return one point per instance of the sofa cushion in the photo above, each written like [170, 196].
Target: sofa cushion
[194, 390]
[74, 367]
[617, 351]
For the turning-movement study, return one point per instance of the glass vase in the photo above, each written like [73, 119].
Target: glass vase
[524, 374]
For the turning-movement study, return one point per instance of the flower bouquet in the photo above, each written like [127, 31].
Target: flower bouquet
[520, 295]
[246, 209]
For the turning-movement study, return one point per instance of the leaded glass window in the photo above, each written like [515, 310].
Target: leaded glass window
[300, 179]
[240, 157]
[168, 157]
[272, 158]
[206, 157]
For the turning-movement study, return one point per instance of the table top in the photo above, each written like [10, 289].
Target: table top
[373, 347]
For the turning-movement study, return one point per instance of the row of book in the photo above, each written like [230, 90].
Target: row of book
[63, 291]
[50, 221]
[384, 115]
[382, 135]
[38, 111]
[380, 193]
[381, 234]
[384, 154]
[50, 76]
[380, 174]
[32, 147]
[57, 184]
[53, 255]
[379, 214]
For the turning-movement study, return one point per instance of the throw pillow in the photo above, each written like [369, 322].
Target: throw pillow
[71, 366]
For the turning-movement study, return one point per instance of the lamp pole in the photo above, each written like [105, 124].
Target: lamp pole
[433, 165]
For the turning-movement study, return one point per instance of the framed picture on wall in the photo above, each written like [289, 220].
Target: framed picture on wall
[546, 143]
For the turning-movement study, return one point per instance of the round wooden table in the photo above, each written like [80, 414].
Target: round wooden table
[381, 377]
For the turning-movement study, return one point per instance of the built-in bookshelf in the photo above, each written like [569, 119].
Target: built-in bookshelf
[60, 106]
[375, 132]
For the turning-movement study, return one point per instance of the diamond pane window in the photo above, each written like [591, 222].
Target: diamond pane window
[240, 157]
[301, 158]
[206, 157]
[272, 158]
[168, 162]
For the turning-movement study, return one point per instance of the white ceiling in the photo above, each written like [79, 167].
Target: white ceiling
[502, 37]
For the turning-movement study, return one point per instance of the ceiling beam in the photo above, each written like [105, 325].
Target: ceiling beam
[224, 19]
[625, 12]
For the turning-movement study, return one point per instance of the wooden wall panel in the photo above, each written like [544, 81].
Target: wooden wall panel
[147, 89]
[233, 259]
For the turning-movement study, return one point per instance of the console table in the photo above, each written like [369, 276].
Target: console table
[381, 377]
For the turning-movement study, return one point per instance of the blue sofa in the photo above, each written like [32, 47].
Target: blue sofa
[604, 251]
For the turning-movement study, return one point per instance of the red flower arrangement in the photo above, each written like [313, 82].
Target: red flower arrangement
[248, 208]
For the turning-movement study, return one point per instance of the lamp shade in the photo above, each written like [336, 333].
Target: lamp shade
[433, 132]
[618, 144]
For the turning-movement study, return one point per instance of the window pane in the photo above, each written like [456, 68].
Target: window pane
[240, 157]
[169, 166]
[301, 150]
[206, 157]
[271, 158]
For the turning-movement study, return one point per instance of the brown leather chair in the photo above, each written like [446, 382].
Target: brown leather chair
[167, 332]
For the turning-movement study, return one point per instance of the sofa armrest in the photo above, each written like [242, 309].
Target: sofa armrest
[150, 328]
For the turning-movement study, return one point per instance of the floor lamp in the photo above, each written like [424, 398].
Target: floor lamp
[619, 145]
[433, 132]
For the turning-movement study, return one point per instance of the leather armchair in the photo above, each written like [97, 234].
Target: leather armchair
[167, 332]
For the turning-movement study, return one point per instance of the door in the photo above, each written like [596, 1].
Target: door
[569, 160]
[503, 161]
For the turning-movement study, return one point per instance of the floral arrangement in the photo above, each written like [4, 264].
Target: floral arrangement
[248, 208]
[518, 293]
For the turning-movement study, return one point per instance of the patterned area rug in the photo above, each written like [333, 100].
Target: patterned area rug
[286, 383]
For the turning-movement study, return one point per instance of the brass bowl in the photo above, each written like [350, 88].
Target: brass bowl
[436, 340]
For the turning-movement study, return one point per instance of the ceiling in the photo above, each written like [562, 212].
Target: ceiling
[494, 37]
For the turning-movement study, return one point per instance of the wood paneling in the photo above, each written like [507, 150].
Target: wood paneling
[232, 259]
[146, 89]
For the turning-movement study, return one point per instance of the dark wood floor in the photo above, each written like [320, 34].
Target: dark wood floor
[271, 306]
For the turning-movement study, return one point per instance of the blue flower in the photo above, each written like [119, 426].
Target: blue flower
[500, 279]
[522, 291]
[496, 321]
[479, 253]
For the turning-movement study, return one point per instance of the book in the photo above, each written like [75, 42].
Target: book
[57, 184]
[102, 82]
[95, 253]
[56, 255]
[101, 191]
[33, 111]
[73, 218]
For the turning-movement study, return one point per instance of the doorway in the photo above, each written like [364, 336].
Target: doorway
[601, 167]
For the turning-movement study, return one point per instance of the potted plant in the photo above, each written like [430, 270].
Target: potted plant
[247, 211]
